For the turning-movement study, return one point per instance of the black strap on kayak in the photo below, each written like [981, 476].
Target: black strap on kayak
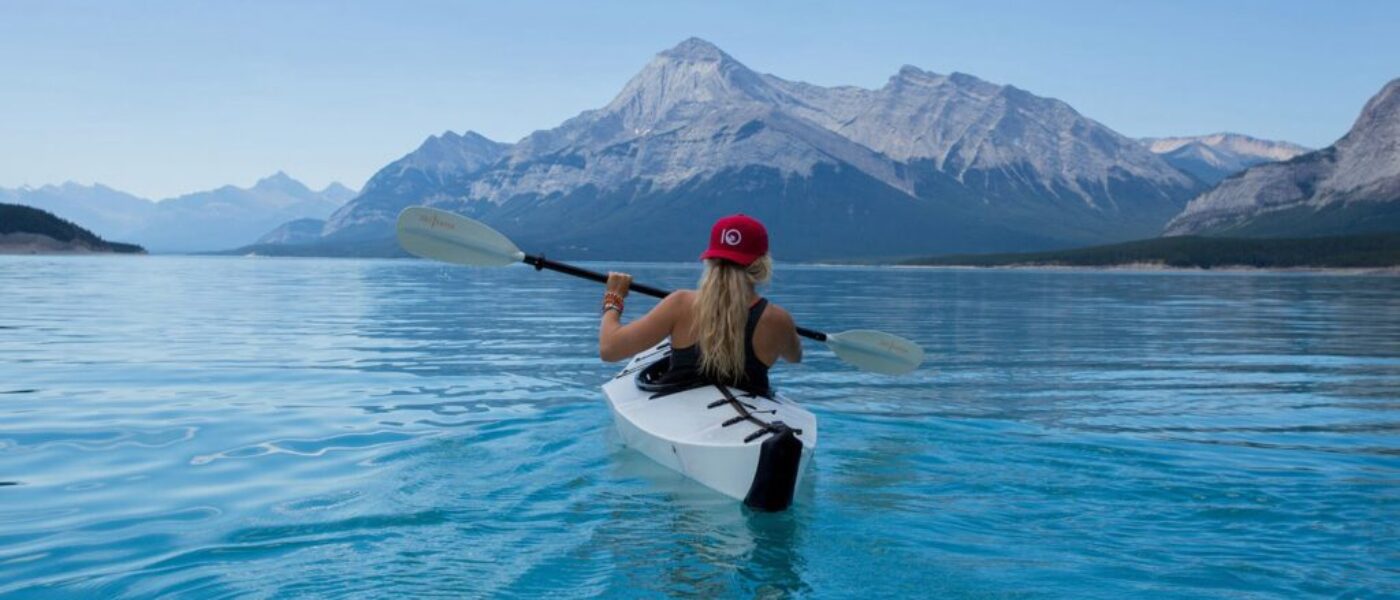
[764, 427]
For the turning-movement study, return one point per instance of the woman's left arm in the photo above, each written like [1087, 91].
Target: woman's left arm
[617, 341]
[792, 350]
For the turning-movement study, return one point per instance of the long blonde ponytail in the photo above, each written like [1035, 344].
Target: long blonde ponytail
[721, 311]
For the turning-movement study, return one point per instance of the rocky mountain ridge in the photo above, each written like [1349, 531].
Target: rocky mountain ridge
[1352, 186]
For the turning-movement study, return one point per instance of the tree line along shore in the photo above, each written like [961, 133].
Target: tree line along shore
[1366, 251]
[28, 230]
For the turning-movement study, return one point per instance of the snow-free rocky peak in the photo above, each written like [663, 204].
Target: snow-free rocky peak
[438, 169]
[452, 152]
[281, 182]
[1368, 156]
[695, 49]
[337, 193]
[1352, 186]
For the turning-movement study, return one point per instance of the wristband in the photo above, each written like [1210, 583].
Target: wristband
[612, 301]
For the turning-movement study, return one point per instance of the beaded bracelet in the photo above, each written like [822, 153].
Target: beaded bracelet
[612, 301]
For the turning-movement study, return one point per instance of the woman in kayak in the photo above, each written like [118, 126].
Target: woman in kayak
[724, 331]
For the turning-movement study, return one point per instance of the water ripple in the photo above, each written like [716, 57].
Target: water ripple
[367, 429]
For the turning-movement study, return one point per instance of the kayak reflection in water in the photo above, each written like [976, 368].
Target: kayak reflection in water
[723, 332]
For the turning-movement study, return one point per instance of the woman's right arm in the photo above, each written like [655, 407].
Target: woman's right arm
[617, 341]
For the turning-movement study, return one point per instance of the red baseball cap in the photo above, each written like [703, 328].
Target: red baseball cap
[738, 239]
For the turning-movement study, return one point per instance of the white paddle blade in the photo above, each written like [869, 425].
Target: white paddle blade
[448, 237]
[876, 351]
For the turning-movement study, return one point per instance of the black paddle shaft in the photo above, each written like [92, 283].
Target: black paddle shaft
[540, 262]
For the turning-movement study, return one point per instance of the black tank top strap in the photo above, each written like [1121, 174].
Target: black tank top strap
[755, 372]
[755, 313]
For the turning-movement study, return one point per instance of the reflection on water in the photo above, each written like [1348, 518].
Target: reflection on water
[220, 426]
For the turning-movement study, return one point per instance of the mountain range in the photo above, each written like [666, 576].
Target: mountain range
[926, 163]
[212, 220]
[1211, 158]
[1352, 186]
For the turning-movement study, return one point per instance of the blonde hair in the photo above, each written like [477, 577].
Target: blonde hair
[721, 311]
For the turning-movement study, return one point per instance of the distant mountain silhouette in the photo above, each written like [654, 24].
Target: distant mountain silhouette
[106, 212]
[1211, 158]
[218, 219]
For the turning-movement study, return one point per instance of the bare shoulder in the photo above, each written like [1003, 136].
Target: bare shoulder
[781, 331]
[678, 300]
[779, 315]
[680, 297]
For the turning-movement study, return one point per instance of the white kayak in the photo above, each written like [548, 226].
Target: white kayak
[747, 447]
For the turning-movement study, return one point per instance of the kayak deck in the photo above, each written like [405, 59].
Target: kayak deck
[701, 434]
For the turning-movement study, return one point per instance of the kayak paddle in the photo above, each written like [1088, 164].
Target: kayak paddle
[449, 237]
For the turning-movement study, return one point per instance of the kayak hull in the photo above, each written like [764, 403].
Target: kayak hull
[700, 435]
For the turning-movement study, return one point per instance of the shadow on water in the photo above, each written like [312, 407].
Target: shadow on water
[778, 563]
[712, 539]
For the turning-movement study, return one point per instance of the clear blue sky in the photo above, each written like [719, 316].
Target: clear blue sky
[161, 98]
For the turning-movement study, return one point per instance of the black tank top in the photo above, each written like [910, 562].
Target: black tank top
[685, 362]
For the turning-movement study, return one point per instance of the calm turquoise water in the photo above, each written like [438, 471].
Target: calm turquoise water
[208, 427]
